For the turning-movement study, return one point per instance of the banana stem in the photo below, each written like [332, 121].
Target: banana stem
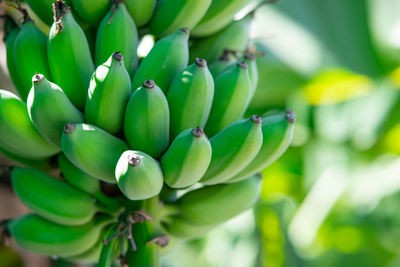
[112, 203]
[107, 209]
[167, 210]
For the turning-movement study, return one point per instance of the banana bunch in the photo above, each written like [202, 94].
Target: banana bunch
[146, 130]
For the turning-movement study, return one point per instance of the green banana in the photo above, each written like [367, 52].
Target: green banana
[233, 149]
[109, 92]
[42, 8]
[224, 61]
[105, 150]
[141, 10]
[234, 37]
[117, 32]
[277, 129]
[109, 251]
[146, 123]
[50, 109]
[41, 236]
[169, 15]
[167, 57]
[18, 135]
[250, 59]
[216, 204]
[44, 164]
[187, 158]
[84, 182]
[91, 11]
[70, 61]
[30, 55]
[138, 175]
[220, 14]
[176, 226]
[232, 90]
[190, 97]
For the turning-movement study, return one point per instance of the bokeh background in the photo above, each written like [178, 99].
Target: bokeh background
[333, 199]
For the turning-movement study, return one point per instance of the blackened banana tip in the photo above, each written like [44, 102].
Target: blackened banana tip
[133, 160]
[290, 116]
[37, 78]
[69, 128]
[201, 62]
[186, 30]
[243, 65]
[250, 56]
[198, 132]
[259, 175]
[118, 56]
[149, 84]
[256, 119]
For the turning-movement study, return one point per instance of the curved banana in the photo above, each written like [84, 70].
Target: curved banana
[224, 61]
[169, 15]
[109, 91]
[42, 8]
[30, 55]
[190, 97]
[220, 14]
[232, 90]
[176, 226]
[117, 32]
[277, 132]
[141, 10]
[167, 57]
[50, 109]
[93, 150]
[233, 149]
[18, 135]
[91, 11]
[234, 37]
[43, 164]
[70, 61]
[250, 59]
[138, 175]
[146, 123]
[41, 236]
[186, 159]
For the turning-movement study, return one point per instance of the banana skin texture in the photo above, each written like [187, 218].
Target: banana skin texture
[233, 149]
[168, 56]
[187, 158]
[253, 74]
[178, 227]
[141, 10]
[50, 109]
[224, 61]
[146, 123]
[190, 97]
[93, 150]
[108, 94]
[138, 175]
[91, 11]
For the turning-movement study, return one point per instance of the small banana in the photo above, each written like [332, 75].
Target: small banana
[110, 250]
[91, 11]
[172, 15]
[176, 226]
[277, 129]
[233, 149]
[42, 8]
[50, 109]
[187, 158]
[226, 60]
[70, 61]
[146, 123]
[167, 57]
[190, 97]
[30, 55]
[93, 150]
[18, 135]
[220, 14]
[117, 32]
[141, 10]
[232, 90]
[253, 74]
[41, 236]
[109, 92]
[138, 175]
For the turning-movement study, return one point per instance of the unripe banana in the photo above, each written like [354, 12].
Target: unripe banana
[224, 61]
[232, 90]
[219, 14]
[109, 91]
[41, 236]
[234, 37]
[70, 61]
[93, 150]
[117, 32]
[187, 158]
[109, 251]
[91, 11]
[253, 74]
[138, 175]
[30, 55]
[50, 109]
[141, 10]
[212, 205]
[176, 226]
[190, 97]
[17, 133]
[167, 57]
[42, 8]
[277, 132]
[233, 149]
[37, 163]
[172, 15]
[146, 123]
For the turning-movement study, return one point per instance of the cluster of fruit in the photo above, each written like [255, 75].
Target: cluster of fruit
[143, 134]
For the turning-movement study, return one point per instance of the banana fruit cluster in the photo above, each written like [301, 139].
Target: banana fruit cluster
[147, 129]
